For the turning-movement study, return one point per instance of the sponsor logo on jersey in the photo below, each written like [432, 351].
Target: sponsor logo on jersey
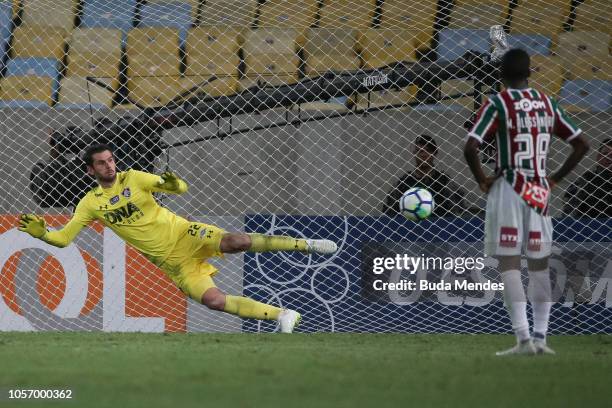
[114, 200]
[508, 237]
[126, 192]
[535, 241]
[527, 105]
[121, 213]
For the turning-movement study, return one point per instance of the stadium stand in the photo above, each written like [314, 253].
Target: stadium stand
[60, 14]
[29, 83]
[330, 50]
[6, 26]
[408, 15]
[546, 74]
[109, 14]
[455, 87]
[478, 14]
[41, 42]
[347, 13]
[534, 44]
[453, 43]
[380, 47]
[587, 95]
[93, 52]
[271, 57]
[544, 17]
[239, 13]
[583, 51]
[297, 14]
[593, 15]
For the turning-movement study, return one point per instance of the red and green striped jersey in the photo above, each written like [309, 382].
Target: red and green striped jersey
[522, 122]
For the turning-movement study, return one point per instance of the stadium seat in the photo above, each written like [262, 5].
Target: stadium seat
[330, 50]
[76, 92]
[239, 13]
[587, 95]
[454, 43]
[153, 92]
[176, 14]
[212, 51]
[117, 14]
[6, 16]
[43, 42]
[546, 74]
[476, 14]
[347, 13]
[534, 44]
[380, 47]
[30, 82]
[411, 15]
[455, 87]
[271, 55]
[194, 5]
[544, 17]
[153, 51]
[582, 51]
[59, 14]
[591, 68]
[593, 15]
[288, 13]
[221, 86]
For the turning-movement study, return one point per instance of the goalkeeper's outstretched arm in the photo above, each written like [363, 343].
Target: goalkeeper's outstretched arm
[168, 182]
[37, 227]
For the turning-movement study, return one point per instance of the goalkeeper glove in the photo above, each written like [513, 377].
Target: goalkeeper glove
[169, 181]
[33, 225]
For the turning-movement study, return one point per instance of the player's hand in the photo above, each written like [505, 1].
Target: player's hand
[169, 181]
[485, 186]
[33, 225]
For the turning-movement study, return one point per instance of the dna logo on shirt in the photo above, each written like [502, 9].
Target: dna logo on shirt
[121, 213]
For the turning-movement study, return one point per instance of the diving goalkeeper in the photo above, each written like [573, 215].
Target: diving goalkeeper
[123, 201]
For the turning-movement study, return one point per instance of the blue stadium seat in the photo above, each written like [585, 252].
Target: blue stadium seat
[42, 67]
[593, 95]
[6, 16]
[117, 14]
[534, 44]
[454, 43]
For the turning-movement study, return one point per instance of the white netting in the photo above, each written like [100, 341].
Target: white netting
[286, 117]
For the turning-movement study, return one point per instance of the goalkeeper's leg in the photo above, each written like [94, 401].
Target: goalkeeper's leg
[240, 242]
[248, 308]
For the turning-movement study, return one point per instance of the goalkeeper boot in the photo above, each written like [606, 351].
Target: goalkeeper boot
[539, 342]
[320, 246]
[524, 347]
[288, 320]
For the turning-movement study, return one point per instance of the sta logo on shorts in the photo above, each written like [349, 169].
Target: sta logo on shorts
[527, 105]
[508, 237]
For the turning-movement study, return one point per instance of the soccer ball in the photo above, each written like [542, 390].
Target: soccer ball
[416, 204]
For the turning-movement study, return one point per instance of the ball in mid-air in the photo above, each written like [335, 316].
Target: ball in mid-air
[416, 204]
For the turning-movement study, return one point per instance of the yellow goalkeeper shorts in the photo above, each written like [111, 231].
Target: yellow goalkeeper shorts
[187, 265]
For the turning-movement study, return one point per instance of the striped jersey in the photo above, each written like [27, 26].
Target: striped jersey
[521, 121]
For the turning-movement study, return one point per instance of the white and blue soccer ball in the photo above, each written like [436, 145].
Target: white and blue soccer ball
[416, 204]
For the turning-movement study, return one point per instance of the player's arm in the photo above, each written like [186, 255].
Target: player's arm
[37, 227]
[565, 129]
[168, 182]
[483, 129]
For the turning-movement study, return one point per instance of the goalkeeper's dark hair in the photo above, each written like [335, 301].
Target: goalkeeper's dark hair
[515, 65]
[94, 149]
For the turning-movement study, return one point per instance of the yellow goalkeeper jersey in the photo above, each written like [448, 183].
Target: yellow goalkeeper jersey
[129, 209]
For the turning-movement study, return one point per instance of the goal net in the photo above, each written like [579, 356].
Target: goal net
[292, 117]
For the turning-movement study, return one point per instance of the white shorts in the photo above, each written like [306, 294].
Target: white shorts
[511, 226]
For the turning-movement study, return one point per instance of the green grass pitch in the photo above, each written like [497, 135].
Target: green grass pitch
[302, 370]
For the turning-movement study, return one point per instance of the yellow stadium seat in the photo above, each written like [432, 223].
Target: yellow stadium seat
[153, 65]
[271, 55]
[330, 50]
[195, 4]
[455, 87]
[478, 13]
[411, 15]
[27, 88]
[546, 74]
[594, 15]
[153, 40]
[591, 68]
[38, 42]
[152, 92]
[380, 47]
[212, 51]
[347, 13]
[94, 52]
[240, 13]
[288, 13]
[76, 90]
[544, 17]
[44, 13]
[388, 97]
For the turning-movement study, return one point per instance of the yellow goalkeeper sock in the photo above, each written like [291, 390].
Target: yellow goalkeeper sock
[250, 309]
[273, 243]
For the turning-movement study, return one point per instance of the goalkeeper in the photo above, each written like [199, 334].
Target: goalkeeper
[123, 201]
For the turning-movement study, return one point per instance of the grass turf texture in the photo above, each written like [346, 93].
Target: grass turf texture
[271, 370]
